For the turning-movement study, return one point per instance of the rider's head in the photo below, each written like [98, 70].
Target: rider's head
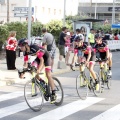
[98, 38]
[23, 45]
[79, 41]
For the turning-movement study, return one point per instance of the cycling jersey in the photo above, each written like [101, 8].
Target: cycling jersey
[40, 52]
[101, 47]
[86, 49]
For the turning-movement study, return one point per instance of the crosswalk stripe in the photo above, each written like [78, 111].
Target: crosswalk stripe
[68, 109]
[17, 108]
[111, 114]
[11, 95]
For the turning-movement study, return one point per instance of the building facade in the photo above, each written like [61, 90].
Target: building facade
[44, 10]
[103, 9]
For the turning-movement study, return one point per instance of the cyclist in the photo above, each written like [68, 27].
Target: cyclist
[89, 57]
[104, 52]
[42, 59]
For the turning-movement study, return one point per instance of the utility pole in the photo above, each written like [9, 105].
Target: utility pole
[8, 11]
[91, 7]
[29, 19]
[64, 12]
[113, 12]
[95, 8]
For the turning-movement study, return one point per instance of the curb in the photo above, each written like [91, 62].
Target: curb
[13, 81]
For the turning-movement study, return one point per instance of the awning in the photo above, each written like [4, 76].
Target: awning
[89, 20]
[115, 25]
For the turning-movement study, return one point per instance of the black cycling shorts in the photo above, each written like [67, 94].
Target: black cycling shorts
[93, 56]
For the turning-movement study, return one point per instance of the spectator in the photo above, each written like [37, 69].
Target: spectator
[91, 39]
[67, 48]
[51, 46]
[61, 44]
[115, 36]
[107, 36]
[11, 51]
[119, 36]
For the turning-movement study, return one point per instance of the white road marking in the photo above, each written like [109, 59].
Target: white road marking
[11, 95]
[17, 107]
[68, 109]
[111, 114]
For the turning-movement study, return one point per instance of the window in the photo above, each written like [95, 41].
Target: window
[43, 9]
[48, 10]
[60, 12]
[12, 7]
[54, 11]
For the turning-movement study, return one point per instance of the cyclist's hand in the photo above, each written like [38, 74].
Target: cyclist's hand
[38, 71]
[86, 63]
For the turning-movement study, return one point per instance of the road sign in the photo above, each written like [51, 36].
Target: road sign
[20, 14]
[2, 1]
[22, 10]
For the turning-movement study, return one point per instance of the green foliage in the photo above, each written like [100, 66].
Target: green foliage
[36, 28]
[20, 28]
[100, 26]
[3, 33]
[55, 26]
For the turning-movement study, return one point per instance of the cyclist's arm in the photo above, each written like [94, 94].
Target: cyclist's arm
[89, 54]
[75, 55]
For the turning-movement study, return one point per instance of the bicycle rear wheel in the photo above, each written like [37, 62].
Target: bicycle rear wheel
[92, 82]
[81, 87]
[59, 92]
[33, 95]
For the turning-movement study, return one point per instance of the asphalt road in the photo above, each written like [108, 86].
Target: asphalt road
[104, 107]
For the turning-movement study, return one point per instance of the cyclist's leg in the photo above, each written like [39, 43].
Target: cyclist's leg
[50, 80]
[110, 63]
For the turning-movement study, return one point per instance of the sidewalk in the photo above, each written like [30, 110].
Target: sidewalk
[8, 77]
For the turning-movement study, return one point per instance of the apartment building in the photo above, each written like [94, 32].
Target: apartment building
[44, 10]
[103, 9]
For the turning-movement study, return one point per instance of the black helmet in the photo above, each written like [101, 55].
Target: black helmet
[98, 36]
[22, 42]
[78, 38]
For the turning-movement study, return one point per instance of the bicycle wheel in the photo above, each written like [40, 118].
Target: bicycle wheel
[81, 87]
[59, 92]
[96, 91]
[108, 82]
[33, 95]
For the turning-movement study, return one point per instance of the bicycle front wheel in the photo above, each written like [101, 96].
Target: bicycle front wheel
[59, 92]
[33, 95]
[81, 87]
[96, 89]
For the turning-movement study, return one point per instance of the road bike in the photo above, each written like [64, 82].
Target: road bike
[103, 73]
[36, 91]
[84, 83]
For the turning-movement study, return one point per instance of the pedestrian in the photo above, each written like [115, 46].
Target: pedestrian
[91, 36]
[11, 51]
[61, 44]
[48, 38]
[67, 48]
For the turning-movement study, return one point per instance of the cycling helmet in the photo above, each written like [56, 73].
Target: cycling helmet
[98, 36]
[22, 42]
[78, 38]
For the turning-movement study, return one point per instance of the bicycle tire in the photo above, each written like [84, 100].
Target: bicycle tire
[109, 82]
[96, 92]
[59, 92]
[81, 87]
[33, 96]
